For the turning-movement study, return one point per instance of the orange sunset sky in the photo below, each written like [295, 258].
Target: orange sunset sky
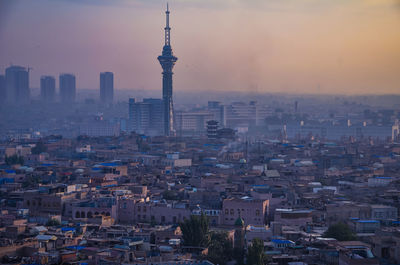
[290, 46]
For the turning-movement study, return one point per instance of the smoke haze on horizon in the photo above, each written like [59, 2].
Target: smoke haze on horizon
[289, 46]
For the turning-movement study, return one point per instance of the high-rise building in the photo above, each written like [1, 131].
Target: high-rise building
[2, 88]
[212, 129]
[17, 84]
[47, 88]
[218, 110]
[192, 123]
[67, 88]
[106, 87]
[147, 117]
[167, 61]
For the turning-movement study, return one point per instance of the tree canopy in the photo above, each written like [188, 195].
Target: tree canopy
[220, 249]
[255, 253]
[340, 232]
[14, 160]
[39, 148]
[195, 231]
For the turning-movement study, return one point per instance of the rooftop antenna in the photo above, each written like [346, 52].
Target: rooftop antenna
[167, 28]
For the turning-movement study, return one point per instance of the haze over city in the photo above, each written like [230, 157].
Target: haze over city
[302, 46]
[200, 132]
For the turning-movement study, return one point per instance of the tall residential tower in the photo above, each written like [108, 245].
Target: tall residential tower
[106, 87]
[67, 88]
[167, 61]
[47, 88]
[17, 84]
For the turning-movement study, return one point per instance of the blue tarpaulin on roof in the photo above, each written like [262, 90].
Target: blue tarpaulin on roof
[76, 247]
[66, 229]
[109, 164]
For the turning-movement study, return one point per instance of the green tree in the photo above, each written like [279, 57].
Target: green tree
[53, 222]
[170, 195]
[220, 249]
[238, 255]
[30, 181]
[14, 160]
[255, 253]
[195, 231]
[39, 148]
[340, 232]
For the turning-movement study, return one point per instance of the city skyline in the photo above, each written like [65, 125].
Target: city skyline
[262, 145]
[286, 50]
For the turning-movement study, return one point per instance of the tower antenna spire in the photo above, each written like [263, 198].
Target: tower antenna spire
[167, 61]
[167, 28]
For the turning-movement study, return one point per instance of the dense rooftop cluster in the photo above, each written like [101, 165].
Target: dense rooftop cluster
[131, 200]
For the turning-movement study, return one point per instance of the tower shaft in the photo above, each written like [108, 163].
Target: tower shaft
[167, 61]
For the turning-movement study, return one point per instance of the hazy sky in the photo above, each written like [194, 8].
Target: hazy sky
[312, 46]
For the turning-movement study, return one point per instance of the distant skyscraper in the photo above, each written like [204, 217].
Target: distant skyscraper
[147, 117]
[67, 88]
[106, 87]
[17, 84]
[2, 88]
[47, 88]
[167, 61]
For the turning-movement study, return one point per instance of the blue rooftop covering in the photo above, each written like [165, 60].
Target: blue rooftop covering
[6, 180]
[368, 221]
[121, 247]
[10, 171]
[111, 164]
[47, 165]
[281, 241]
[66, 229]
[76, 248]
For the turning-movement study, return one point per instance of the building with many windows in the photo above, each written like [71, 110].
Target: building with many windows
[106, 87]
[67, 88]
[17, 84]
[146, 117]
[47, 88]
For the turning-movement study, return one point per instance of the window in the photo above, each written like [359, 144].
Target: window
[124, 205]
[257, 212]
[232, 212]
[144, 208]
[226, 210]
[138, 208]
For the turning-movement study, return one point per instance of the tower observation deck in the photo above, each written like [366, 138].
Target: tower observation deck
[167, 61]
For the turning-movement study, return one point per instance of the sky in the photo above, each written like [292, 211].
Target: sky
[288, 46]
